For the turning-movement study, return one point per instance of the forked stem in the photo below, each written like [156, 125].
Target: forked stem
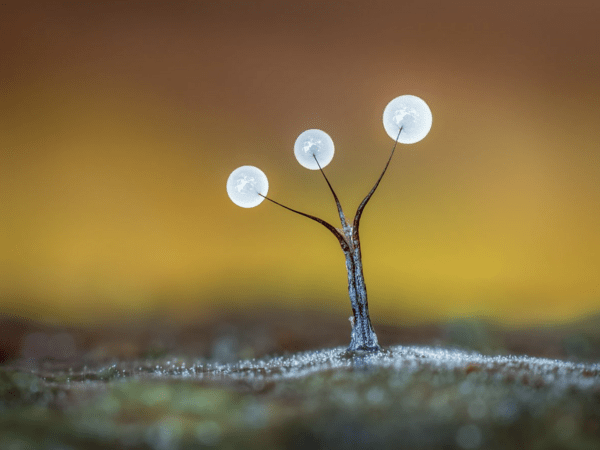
[363, 337]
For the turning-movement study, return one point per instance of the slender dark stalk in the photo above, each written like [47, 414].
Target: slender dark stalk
[327, 225]
[345, 225]
[361, 207]
[363, 336]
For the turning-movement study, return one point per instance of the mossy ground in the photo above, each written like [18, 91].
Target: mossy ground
[144, 394]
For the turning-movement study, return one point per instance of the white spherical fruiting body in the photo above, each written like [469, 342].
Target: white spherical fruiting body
[313, 144]
[245, 184]
[412, 114]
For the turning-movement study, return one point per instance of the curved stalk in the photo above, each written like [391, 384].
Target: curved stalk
[361, 207]
[363, 336]
[337, 201]
[336, 233]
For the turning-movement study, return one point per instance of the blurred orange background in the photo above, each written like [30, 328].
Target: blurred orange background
[121, 121]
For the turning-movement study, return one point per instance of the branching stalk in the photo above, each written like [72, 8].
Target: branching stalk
[363, 336]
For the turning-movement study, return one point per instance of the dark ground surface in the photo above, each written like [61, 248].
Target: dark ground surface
[163, 387]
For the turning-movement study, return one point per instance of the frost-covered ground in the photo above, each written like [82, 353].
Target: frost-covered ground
[407, 397]
[404, 397]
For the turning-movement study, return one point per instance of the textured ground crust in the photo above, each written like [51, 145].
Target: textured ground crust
[216, 392]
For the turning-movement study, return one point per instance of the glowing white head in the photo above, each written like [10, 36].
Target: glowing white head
[412, 114]
[313, 142]
[244, 184]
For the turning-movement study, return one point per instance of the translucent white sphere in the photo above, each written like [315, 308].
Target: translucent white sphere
[412, 114]
[313, 142]
[244, 184]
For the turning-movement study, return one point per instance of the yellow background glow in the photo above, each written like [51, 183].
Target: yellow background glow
[120, 123]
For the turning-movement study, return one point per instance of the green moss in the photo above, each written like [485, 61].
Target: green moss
[416, 405]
